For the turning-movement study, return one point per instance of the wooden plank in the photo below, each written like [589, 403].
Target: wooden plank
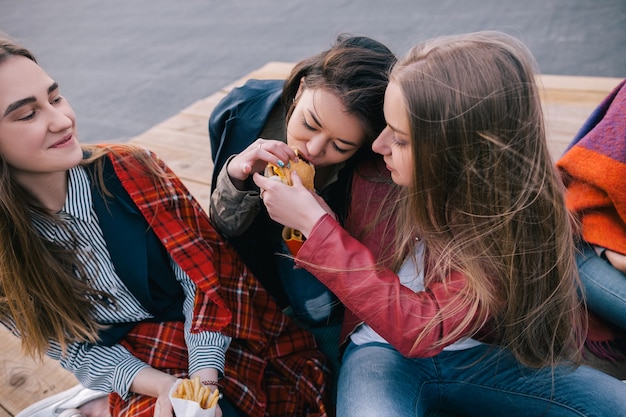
[200, 191]
[567, 103]
[578, 84]
[189, 156]
[203, 108]
[24, 380]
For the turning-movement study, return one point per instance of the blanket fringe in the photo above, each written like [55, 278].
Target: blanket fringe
[611, 350]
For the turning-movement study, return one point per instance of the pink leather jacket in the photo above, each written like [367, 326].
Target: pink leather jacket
[371, 294]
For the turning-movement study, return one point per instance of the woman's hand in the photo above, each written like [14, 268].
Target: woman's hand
[616, 259]
[163, 406]
[292, 206]
[96, 408]
[255, 158]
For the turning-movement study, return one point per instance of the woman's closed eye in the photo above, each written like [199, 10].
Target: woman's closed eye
[28, 116]
[307, 125]
[398, 141]
[33, 112]
[340, 150]
[335, 143]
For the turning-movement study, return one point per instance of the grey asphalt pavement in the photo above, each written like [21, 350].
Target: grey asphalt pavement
[126, 65]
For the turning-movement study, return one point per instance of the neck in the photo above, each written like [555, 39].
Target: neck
[49, 189]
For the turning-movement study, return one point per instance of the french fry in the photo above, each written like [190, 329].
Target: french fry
[215, 396]
[204, 398]
[193, 390]
[180, 391]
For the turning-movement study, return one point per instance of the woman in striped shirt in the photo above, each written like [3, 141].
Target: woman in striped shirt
[111, 267]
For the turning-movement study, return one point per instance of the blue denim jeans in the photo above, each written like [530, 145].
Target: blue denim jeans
[311, 301]
[605, 286]
[376, 380]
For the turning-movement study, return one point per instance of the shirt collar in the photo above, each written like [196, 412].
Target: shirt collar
[78, 200]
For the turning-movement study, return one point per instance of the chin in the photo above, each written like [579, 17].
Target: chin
[399, 180]
[75, 156]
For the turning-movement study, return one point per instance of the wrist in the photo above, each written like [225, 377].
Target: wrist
[208, 376]
[314, 218]
[211, 383]
[235, 176]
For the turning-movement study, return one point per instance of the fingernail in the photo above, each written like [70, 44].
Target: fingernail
[280, 163]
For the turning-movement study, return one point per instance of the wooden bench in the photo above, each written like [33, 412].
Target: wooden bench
[182, 142]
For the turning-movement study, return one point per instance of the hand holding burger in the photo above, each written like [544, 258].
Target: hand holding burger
[288, 199]
[304, 169]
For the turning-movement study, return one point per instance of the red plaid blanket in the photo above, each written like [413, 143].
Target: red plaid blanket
[273, 367]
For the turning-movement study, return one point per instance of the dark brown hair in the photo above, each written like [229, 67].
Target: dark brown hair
[355, 69]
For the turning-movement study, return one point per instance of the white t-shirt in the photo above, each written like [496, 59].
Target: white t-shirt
[411, 276]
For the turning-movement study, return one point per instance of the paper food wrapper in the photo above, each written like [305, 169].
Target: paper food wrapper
[188, 408]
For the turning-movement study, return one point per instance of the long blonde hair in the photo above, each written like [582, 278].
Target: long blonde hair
[486, 199]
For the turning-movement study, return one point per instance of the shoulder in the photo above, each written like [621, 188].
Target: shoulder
[133, 161]
[254, 87]
[128, 155]
[253, 94]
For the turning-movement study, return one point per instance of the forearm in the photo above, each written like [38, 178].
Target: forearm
[208, 376]
[152, 382]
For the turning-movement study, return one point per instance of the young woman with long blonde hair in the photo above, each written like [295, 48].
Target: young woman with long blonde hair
[483, 316]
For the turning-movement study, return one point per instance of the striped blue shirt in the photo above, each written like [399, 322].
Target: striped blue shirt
[114, 368]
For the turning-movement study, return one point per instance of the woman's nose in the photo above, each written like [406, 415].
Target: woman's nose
[59, 120]
[316, 144]
[381, 144]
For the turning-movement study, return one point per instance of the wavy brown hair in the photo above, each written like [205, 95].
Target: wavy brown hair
[44, 291]
[486, 198]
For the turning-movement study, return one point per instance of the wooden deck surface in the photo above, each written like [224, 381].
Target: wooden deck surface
[182, 142]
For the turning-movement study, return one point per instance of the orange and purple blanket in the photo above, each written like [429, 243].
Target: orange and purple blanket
[594, 171]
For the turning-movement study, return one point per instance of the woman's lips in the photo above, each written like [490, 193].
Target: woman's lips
[63, 141]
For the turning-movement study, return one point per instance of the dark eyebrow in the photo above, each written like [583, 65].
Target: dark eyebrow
[53, 86]
[339, 139]
[16, 105]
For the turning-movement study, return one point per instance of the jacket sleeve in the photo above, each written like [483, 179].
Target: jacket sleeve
[376, 295]
[232, 211]
[238, 118]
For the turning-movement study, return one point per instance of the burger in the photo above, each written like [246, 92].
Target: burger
[304, 169]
